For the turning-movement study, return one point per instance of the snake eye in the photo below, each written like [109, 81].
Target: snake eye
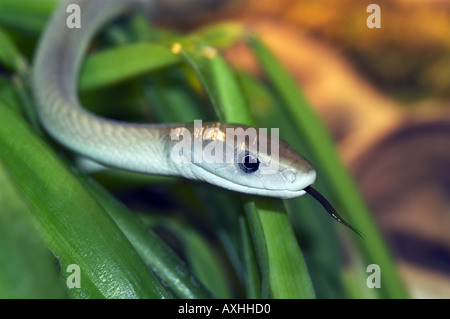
[249, 163]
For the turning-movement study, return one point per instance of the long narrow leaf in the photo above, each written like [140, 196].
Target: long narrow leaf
[26, 266]
[26, 15]
[332, 170]
[313, 227]
[135, 59]
[155, 253]
[73, 224]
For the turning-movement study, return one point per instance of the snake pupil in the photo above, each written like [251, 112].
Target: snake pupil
[249, 163]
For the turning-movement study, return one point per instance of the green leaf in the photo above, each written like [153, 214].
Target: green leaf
[200, 254]
[155, 253]
[102, 69]
[332, 170]
[8, 94]
[10, 55]
[313, 227]
[288, 275]
[252, 273]
[253, 218]
[171, 98]
[27, 269]
[73, 224]
[26, 15]
[219, 82]
[204, 261]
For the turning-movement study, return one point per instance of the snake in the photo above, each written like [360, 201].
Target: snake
[149, 148]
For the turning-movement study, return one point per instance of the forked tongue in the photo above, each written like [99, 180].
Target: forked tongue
[330, 209]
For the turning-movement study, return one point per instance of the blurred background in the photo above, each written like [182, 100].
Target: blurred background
[383, 93]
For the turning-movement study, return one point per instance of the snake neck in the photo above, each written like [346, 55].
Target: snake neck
[59, 55]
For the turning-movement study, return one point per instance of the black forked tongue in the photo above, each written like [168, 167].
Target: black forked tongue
[330, 209]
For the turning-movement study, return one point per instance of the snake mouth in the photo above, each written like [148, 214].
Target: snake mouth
[222, 182]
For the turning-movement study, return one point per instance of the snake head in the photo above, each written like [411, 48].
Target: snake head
[244, 159]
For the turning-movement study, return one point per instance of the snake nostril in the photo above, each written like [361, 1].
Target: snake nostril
[289, 175]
